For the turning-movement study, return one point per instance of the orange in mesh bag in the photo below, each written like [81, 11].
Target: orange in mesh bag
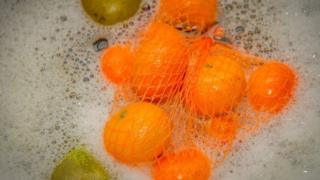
[214, 136]
[271, 87]
[137, 133]
[115, 63]
[188, 164]
[205, 85]
[170, 96]
[198, 52]
[160, 63]
[223, 129]
[215, 79]
[216, 87]
[188, 13]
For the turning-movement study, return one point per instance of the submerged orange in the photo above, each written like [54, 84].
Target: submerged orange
[223, 129]
[188, 164]
[271, 87]
[160, 63]
[137, 133]
[200, 13]
[115, 63]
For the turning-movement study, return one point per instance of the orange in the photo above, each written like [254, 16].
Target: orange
[137, 133]
[199, 51]
[271, 87]
[200, 13]
[115, 63]
[223, 129]
[189, 164]
[160, 63]
[217, 87]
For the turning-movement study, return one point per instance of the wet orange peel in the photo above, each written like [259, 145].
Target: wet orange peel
[188, 164]
[271, 87]
[199, 13]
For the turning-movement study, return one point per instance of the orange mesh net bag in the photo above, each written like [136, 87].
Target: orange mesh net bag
[181, 104]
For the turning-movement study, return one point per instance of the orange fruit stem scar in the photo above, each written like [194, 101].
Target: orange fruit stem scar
[198, 52]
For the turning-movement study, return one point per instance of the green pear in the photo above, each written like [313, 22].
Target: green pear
[108, 12]
[78, 164]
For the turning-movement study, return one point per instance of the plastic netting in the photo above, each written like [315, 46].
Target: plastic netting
[199, 85]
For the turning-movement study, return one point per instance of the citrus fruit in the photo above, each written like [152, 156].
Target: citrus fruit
[137, 133]
[108, 12]
[79, 164]
[198, 52]
[200, 13]
[271, 87]
[217, 87]
[115, 63]
[160, 63]
[188, 164]
[222, 133]
[223, 129]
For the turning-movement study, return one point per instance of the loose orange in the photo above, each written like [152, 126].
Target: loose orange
[200, 13]
[218, 86]
[115, 63]
[160, 63]
[189, 164]
[271, 87]
[137, 133]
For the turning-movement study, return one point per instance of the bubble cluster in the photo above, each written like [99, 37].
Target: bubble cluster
[247, 22]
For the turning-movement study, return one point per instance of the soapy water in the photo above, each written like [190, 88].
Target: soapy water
[53, 97]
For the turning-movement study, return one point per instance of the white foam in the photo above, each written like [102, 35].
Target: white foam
[47, 106]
